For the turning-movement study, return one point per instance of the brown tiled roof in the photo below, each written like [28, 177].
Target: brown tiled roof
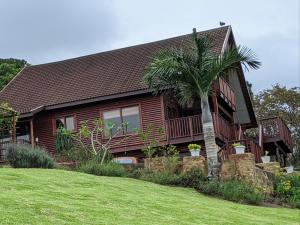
[93, 76]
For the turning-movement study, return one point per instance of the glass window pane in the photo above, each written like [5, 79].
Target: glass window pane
[60, 122]
[112, 121]
[131, 118]
[70, 123]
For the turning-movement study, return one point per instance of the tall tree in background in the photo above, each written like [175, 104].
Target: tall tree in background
[190, 72]
[9, 68]
[283, 102]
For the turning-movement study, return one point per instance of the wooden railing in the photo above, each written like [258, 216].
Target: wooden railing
[192, 126]
[223, 128]
[184, 127]
[275, 129]
[226, 92]
[251, 147]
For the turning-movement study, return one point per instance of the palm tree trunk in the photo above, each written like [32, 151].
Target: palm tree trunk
[209, 138]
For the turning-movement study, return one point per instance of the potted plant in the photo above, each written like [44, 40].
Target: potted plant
[194, 149]
[239, 148]
[266, 157]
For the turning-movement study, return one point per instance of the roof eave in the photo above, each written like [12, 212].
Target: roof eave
[83, 102]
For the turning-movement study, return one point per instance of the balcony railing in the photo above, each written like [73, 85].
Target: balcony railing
[191, 126]
[275, 129]
[226, 92]
[251, 147]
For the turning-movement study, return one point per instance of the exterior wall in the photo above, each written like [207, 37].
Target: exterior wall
[150, 113]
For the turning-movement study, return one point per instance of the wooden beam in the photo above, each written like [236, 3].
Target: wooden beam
[14, 128]
[31, 133]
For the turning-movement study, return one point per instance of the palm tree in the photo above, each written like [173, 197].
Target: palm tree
[189, 72]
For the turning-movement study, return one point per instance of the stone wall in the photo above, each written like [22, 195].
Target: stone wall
[273, 167]
[158, 164]
[242, 167]
[198, 162]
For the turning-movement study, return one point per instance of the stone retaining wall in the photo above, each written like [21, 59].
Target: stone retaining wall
[242, 167]
[158, 164]
[273, 167]
[198, 162]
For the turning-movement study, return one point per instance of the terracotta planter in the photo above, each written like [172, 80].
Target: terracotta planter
[265, 159]
[239, 149]
[195, 152]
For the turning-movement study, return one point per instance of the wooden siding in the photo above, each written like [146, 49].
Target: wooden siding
[150, 113]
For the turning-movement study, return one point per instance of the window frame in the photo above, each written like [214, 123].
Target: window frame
[64, 116]
[121, 115]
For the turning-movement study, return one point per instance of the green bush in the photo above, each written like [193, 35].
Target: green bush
[192, 178]
[110, 169]
[287, 188]
[188, 179]
[24, 156]
[231, 190]
[210, 188]
[164, 178]
[239, 192]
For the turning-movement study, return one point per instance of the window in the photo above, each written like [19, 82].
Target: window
[67, 122]
[127, 119]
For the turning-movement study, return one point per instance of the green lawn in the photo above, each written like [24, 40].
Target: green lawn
[37, 196]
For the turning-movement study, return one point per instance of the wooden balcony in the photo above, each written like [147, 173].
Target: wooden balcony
[188, 129]
[274, 132]
[226, 93]
[251, 147]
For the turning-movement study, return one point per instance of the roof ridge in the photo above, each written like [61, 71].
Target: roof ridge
[127, 47]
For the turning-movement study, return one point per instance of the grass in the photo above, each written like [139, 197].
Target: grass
[40, 196]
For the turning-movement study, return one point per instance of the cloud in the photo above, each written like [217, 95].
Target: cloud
[280, 58]
[41, 31]
[49, 30]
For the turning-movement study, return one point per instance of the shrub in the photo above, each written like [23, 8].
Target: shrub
[188, 179]
[210, 188]
[110, 169]
[192, 178]
[231, 190]
[239, 192]
[23, 156]
[64, 140]
[287, 188]
[164, 178]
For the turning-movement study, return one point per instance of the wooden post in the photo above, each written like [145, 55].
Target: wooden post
[260, 136]
[14, 128]
[191, 127]
[31, 133]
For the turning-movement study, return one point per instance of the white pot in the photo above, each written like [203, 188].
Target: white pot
[195, 152]
[239, 149]
[265, 159]
[289, 169]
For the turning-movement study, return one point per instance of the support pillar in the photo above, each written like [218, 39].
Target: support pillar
[14, 130]
[31, 133]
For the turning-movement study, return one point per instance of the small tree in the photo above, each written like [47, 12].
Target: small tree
[150, 141]
[8, 119]
[97, 139]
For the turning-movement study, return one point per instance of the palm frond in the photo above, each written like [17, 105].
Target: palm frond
[191, 71]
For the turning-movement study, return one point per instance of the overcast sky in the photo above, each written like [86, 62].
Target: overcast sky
[51, 30]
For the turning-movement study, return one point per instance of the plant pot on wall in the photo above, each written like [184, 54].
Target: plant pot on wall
[239, 149]
[194, 149]
[265, 159]
[195, 152]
